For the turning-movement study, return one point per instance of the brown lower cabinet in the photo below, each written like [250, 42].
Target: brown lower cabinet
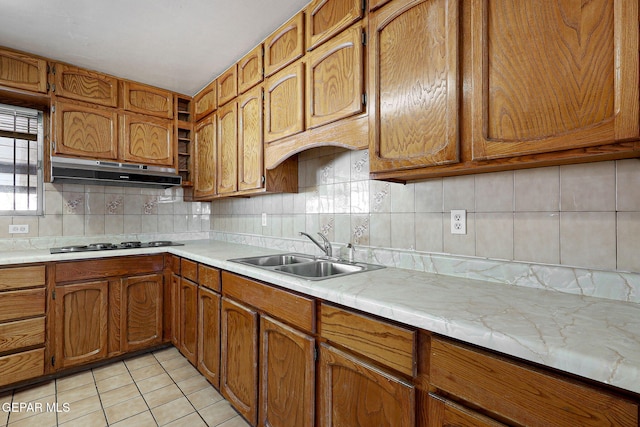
[188, 334]
[209, 303]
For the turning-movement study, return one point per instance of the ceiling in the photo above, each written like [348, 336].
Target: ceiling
[180, 45]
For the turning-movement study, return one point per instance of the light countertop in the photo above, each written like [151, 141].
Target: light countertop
[591, 337]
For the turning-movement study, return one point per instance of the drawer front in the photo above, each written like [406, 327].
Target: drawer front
[523, 394]
[21, 366]
[209, 277]
[21, 277]
[21, 334]
[294, 309]
[389, 344]
[107, 267]
[21, 304]
[189, 270]
[175, 264]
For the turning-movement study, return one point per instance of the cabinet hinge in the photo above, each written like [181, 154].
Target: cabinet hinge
[364, 5]
[364, 38]
[53, 69]
[53, 88]
[53, 295]
[263, 179]
[364, 99]
[53, 147]
[53, 108]
[53, 361]
[315, 354]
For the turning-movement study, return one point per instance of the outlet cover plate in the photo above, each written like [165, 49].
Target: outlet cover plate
[458, 221]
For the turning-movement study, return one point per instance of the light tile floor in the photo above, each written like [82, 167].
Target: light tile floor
[155, 389]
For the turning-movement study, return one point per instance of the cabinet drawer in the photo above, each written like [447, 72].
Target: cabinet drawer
[107, 267]
[21, 334]
[523, 394]
[84, 85]
[209, 277]
[296, 310]
[189, 270]
[389, 344]
[149, 100]
[174, 264]
[21, 366]
[20, 304]
[22, 277]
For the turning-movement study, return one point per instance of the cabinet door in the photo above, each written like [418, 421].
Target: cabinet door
[85, 131]
[206, 101]
[147, 140]
[414, 111]
[251, 69]
[189, 320]
[149, 100]
[335, 79]
[227, 85]
[204, 152]
[354, 393]
[227, 152]
[326, 18]
[81, 323]
[84, 85]
[285, 45]
[284, 103]
[444, 413]
[549, 76]
[23, 71]
[250, 141]
[175, 310]
[209, 335]
[239, 362]
[141, 312]
[287, 376]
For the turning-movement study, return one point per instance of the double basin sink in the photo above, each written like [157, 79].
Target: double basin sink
[306, 266]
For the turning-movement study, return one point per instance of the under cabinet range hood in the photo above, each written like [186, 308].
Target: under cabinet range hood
[98, 172]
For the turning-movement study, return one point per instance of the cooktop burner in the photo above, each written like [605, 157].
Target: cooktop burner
[111, 246]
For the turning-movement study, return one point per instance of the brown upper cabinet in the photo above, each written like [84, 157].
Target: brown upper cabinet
[84, 85]
[206, 101]
[21, 71]
[285, 45]
[149, 100]
[550, 76]
[227, 152]
[251, 69]
[413, 85]
[326, 18]
[335, 79]
[83, 130]
[250, 140]
[204, 177]
[228, 85]
[147, 140]
[284, 103]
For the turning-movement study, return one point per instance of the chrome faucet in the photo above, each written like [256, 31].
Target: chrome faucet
[325, 247]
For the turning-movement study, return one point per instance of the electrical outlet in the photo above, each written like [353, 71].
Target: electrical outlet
[19, 229]
[458, 221]
[264, 219]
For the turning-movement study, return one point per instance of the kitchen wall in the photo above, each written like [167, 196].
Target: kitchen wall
[79, 210]
[585, 215]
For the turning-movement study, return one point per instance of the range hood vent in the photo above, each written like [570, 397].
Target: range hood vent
[96, 172]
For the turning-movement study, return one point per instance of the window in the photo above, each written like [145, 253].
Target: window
[21, 149]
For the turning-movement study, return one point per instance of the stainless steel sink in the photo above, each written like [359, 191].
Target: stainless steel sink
[306, 266]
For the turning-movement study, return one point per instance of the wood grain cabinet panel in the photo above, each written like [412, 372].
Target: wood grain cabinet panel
[227, 151]
[284, 103]
[141, 312]
[149, 100]
[335, 79]
[227, 85]
[209, 277]
[21, 304]
[522, 394]
[250, 140]
[21, 366]
[287, 376]
[445, 413]
[251, 69]
[414, 110]
[209, 303]
[189, 320]
[375, 4]
[326, 18]
[147, 140]
[285, 45]
[87, 131]
[204, 178]
[354, 393]
[239, 363]
[175, 310]
[81, 312]
[21, 334]
[206, 101]
[22, 71]
[549, 76]
[13, 278]
[84, 85]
